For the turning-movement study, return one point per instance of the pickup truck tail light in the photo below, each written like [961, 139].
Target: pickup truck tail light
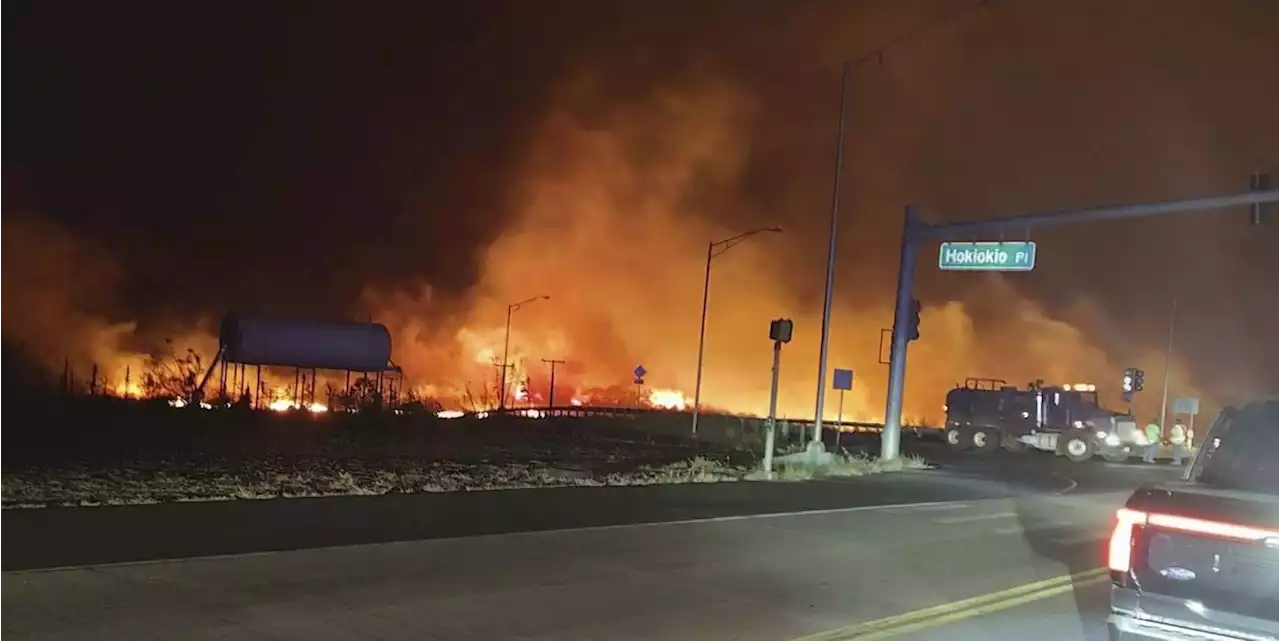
[1121, 546]
[1120, 550]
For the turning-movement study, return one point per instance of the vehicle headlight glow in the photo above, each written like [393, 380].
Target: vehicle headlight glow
[1102, 434]
[1112, 440]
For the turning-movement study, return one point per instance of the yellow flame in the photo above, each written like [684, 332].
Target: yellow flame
[285, 405]
[671, 399]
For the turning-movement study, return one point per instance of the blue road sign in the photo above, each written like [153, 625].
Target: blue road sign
[842, 379]
[639, 371]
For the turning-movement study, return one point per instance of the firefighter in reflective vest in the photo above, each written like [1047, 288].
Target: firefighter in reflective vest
[1154, 435]
[1180, 439]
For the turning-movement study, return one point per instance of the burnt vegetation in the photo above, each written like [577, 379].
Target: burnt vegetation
[72, 425]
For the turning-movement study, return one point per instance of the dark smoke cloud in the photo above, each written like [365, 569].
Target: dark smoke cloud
[428, 169]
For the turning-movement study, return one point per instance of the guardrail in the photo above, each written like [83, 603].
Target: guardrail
[640, 412]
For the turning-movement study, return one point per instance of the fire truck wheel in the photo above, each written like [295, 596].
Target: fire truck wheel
[957, 438]
[1078, 447]
[985, 440]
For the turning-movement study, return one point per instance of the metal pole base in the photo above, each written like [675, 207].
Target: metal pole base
[816, 453]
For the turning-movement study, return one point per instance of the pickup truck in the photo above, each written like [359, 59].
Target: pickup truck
[1198, 558]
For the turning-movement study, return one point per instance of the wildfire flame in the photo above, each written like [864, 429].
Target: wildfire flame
[668, 399]
[579, 181]
[286, 405]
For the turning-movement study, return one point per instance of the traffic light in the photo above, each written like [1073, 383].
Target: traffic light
[1127, 384]
[1260, 181]
[780, 330]
[913, 320]
[1137, 380]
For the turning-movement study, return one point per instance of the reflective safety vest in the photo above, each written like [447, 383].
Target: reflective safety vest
[1152, 433]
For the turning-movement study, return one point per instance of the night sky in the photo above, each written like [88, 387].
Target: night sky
[424, 163]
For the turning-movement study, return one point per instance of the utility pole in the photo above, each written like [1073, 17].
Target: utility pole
[1168, 357]
[551, 392]
[915, 232]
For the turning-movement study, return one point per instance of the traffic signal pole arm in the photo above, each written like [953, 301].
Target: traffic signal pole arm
[965, 230]
[915, 231]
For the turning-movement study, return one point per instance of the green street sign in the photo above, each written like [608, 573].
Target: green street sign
[988, 257]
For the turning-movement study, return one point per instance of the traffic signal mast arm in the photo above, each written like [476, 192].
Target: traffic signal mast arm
[915, 231]
[965, 230]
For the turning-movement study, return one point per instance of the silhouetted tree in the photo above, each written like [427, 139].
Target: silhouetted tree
[415, 403]
[169, 375]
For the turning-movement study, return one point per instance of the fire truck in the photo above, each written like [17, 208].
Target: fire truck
[985, 414]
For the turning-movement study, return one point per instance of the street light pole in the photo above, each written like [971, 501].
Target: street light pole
[506, 348]
[713, 249]
[831, 270]
[877, 55]
[1168, 356]
[702, 338]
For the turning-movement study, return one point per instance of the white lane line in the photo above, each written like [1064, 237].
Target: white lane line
[567, 530]
[975, 517]
[931, 508]
[1017, 529]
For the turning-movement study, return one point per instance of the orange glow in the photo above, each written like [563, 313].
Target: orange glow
[285, 405]
[609, 211]
[670, 399]
[130, 390]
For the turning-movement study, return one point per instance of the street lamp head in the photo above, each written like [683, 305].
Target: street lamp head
[515, 306]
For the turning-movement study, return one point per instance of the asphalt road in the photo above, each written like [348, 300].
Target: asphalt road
[724, 561]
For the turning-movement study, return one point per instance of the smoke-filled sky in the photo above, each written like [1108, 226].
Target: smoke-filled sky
[425, 164]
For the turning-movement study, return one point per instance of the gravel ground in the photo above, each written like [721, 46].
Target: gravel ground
[83, 486]
[111, 453]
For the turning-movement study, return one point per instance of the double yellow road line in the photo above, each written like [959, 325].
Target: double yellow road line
[939, 615]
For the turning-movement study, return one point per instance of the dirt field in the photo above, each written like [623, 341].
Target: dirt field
[103, 451]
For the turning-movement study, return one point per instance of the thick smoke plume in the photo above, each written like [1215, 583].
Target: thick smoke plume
[611, 208]
[611, 225]
[61, 313]
[633, 162]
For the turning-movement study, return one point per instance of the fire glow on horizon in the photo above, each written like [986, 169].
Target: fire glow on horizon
[634, 299]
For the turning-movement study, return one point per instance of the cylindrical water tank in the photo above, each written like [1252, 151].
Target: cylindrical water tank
[361, 347]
